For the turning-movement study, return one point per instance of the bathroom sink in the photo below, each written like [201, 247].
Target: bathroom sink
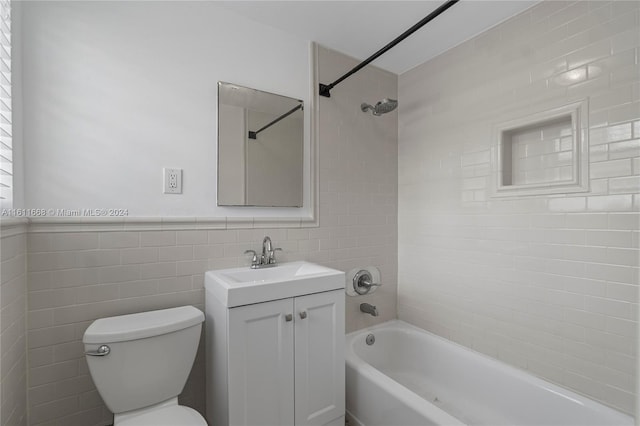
[243, 286]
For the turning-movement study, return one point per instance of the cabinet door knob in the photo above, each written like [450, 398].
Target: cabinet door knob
[303, 314]
[288, 317]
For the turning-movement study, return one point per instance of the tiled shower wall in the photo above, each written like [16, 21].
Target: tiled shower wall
[76, 277]
[546, 283]
[13, 356]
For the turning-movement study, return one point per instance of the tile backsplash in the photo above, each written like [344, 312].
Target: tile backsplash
[76, 277]
[546, 283]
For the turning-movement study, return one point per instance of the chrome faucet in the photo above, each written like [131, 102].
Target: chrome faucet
[267, 252]
[268, 257]
[369, 309]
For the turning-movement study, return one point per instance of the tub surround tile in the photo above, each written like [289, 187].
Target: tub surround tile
[549, 282]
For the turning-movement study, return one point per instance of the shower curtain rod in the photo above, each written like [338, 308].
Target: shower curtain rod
[326, 88]
[254, 135]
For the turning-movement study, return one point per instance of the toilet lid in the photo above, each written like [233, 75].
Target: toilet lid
[175, 415]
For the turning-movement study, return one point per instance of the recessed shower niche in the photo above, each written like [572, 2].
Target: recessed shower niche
[545, 153]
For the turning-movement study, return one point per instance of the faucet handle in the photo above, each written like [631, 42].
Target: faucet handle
[254, 258]
[363, 283]
[272, 254]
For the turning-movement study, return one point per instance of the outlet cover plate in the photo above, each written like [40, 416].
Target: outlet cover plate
[172, 179]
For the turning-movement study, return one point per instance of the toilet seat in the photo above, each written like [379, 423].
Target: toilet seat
[174, 415]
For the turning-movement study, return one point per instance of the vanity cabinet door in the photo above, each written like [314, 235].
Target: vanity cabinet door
[319, 358]
[261, 359]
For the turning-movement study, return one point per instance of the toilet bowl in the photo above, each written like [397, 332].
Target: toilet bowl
[141, 362]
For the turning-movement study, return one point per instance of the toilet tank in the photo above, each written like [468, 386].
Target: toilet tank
[150, 357]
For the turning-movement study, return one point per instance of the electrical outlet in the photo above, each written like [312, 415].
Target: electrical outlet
[172, 181]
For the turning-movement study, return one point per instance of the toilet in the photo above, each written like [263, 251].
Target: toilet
[140, 364]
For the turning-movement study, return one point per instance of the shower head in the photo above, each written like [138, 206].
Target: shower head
[384, 106]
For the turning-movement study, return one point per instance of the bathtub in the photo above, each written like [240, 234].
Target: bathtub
[410, 377]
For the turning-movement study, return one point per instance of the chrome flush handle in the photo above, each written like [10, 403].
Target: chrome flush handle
[103, 350]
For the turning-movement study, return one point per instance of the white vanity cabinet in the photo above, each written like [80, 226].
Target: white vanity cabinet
[277, 362]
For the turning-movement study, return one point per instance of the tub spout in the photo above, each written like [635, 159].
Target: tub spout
[369, 309]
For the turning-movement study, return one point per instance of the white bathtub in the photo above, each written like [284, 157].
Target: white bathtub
[410, 377]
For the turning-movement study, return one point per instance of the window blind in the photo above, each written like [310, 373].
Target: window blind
[6, 144]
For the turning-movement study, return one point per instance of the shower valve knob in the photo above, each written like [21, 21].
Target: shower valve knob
[363, 283]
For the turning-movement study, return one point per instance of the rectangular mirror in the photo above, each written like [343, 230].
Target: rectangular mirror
[260, 148]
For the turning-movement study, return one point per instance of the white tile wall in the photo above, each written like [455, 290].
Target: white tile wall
[546, 283]
[75, 278]
[13, 355]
